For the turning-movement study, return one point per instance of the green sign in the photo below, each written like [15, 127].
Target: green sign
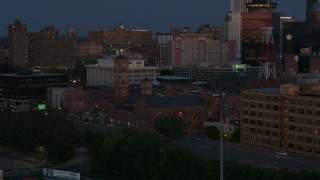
[41, 106]
[239, 66]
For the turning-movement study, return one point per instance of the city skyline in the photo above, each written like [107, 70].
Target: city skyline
[85, 15]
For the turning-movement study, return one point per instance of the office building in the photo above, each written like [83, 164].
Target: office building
[25, 90]
[254, 26]
[284, 119]
[301, 38]
[232, 30]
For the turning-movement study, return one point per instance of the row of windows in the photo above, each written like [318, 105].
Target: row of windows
[259, 123]
[261, 114]
[260, 140]
[260, 131]
[277, 99]
[304, 148]
[261, 97]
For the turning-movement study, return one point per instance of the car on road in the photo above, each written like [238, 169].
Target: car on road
[281, 153]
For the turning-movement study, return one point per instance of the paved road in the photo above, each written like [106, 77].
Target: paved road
[255, 156]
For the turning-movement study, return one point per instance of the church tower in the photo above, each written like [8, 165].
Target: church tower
[121, 79]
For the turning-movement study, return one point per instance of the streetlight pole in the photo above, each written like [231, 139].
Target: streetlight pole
[221, 135]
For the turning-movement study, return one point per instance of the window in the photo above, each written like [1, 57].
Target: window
[308, 112]
[300, 129]
[267, 98]
[275, 99]
[309, 130]
[299, 138]
[245, 112]
[309, 103]
[300, 120]
[292, 110]
[252, 96]
[309, 121]
[291, 101]
[252, 130]
[268, 106]
[267, 132]
[291, 137]
[317, 103]
[275, 108]
[300, 111]
[300, 101]
[260, 123]
[245, 104]
[292, 128]
[252, 121]
[275, 134]
[252, 113]
[308, 139]
[253, 105]
[245, 120]
[259, 131]
[260, 105]
[268, 115]
[259, 97]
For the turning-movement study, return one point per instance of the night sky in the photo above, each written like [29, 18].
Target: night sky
[157, 16]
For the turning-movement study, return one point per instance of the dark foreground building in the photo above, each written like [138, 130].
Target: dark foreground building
[27, 89]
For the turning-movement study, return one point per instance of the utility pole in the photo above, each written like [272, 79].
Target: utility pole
[221, 134]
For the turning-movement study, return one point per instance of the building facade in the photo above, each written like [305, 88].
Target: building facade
[102, 73]
[284, 119]
[120, 37]
[211, 73]
[253, 25]
[232, 30]
[239, 5]
[25, 90]
[18, 44]
[200, 50]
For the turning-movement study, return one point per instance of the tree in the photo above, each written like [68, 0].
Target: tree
[212, 132]
[171, 126]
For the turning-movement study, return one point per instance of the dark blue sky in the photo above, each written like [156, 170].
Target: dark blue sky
[157, 16]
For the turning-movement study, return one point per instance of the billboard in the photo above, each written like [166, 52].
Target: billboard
[52, 174]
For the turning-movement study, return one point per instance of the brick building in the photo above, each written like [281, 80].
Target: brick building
[284, 119]
[120, 37]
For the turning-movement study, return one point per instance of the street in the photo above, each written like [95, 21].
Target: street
[252, 155]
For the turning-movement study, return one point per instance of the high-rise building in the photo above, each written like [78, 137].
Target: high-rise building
[232, 30]
[311, 6]
[199, 50]
[48, 50]
[253, 25]
[18, 44]
[239, 5]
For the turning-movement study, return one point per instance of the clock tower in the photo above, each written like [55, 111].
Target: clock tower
[121, 79]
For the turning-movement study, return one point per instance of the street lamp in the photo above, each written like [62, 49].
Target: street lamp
[221, 133]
